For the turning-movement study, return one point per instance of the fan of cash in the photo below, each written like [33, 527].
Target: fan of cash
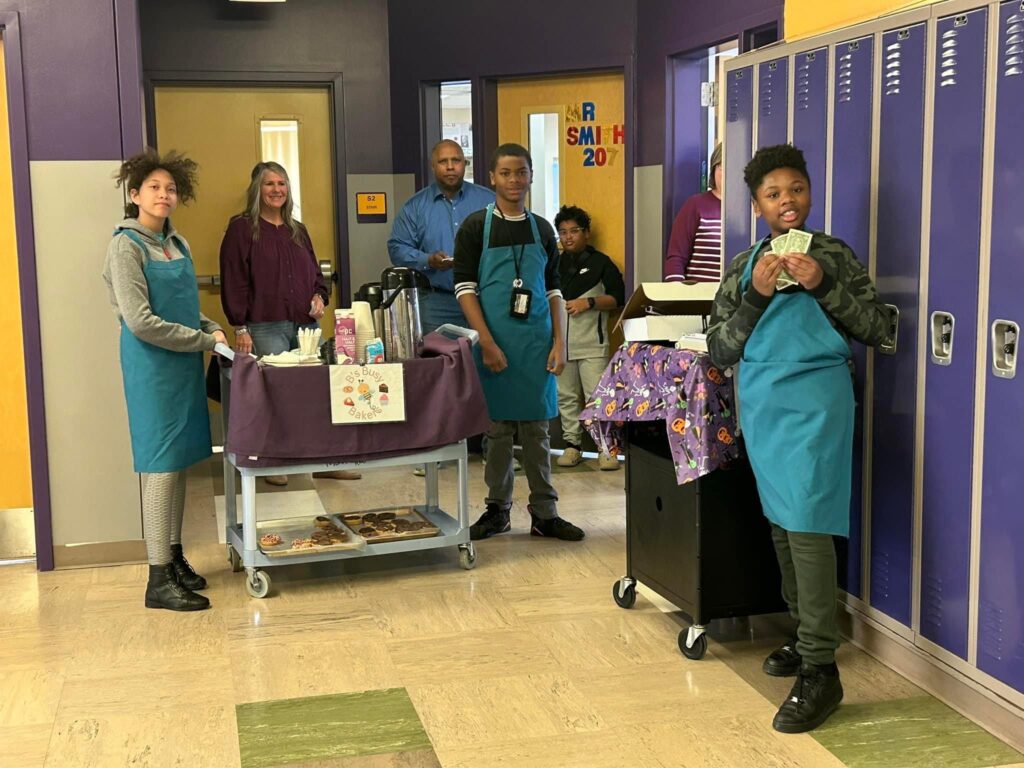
[794, 241]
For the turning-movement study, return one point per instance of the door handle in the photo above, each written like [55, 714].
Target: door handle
[327, 270]
[888, 347]
[1005, 334]
[207, 279]
[943, 324]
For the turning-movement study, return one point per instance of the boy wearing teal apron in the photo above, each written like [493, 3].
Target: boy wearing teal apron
[506, 281]
[152, 288]
[796, 406]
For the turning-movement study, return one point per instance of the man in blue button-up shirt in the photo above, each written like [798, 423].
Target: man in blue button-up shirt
[424, 233]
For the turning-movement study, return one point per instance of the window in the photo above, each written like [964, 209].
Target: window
[544, 138]
[717, 56]
[457, 118]
[279, 143]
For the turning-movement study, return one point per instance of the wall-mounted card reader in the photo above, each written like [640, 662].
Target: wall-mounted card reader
[888, 347]
[942, 337]
[1005, 336]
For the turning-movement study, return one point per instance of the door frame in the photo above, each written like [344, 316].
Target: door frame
[10, 29]
[332, 81]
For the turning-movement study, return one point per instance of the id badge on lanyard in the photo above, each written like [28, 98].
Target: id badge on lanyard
[521, 298]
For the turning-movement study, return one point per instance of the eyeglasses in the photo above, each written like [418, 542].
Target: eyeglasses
[567, 232]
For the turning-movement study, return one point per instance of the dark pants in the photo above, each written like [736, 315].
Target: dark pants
[809, 584]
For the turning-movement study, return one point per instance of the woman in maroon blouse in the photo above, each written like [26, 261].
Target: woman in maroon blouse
[695, 245]
[271, 285]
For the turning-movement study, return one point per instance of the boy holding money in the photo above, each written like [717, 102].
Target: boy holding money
[785, 312]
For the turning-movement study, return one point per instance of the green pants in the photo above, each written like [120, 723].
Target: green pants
[809, 584]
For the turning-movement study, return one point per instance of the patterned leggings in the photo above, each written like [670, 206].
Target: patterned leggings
[163, 508]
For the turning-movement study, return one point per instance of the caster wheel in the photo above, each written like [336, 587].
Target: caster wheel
[467, 556]
[258, 585]
[235, 560]
[624, 598]
[697, 650]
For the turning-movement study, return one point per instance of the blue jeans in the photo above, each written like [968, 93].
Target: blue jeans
[276, 337]
[438, 308]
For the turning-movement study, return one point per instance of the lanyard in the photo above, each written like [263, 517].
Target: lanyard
[517, 260]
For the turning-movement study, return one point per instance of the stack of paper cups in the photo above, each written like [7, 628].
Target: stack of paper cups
[364, 327]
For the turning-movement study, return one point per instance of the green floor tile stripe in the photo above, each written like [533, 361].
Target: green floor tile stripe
[906, 733]
[289, 731]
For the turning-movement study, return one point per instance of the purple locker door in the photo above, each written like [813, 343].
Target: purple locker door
[851, 215]
[772, 110]
[897, 274]
[953, 290]
[739, 130]
[810, 117]
[1001, 607]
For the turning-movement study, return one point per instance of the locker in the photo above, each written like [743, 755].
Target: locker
[810, 129]
[738, 136]
[1001, 596]
[851, 220]
[772, 110]
[897, 263]
[955, 233]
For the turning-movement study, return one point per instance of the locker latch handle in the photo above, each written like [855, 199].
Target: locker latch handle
[943, 324]
[888, 347]
[1005, 337]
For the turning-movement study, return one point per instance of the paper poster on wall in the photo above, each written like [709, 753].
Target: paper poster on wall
[367, 394]
[600, 143]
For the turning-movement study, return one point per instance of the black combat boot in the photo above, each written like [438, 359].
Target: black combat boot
[784, 661]
[183, 572]
[164, 591]
[815, 695]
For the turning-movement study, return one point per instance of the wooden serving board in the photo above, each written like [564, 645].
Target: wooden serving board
[356, 521]
[303, 528]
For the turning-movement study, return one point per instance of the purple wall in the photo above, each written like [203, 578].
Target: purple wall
[478, 39]
[669, 27]
[322, 36]
[71, 77]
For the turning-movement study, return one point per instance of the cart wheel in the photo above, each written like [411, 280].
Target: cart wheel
[467, 556]
[625, 597]
[258, 585]
[234, 559]
[697, 650]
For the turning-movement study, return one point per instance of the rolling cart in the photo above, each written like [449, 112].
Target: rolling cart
[704, 546]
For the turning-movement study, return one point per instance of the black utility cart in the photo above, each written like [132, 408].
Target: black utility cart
[704, 546]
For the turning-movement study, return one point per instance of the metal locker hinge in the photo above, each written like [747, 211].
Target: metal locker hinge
[942, 325]
[1005, 337]
[709, 94]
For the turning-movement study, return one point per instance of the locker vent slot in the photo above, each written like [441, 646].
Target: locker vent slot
[947, 61]
[991, 621]
[803, 82]
[1013, 46]
[880, 573]
[844, 74]
[931, 602]
[892, 67]
[734, 97]
[765, 100]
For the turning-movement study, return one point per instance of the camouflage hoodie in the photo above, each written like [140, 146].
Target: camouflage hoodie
[846, 293]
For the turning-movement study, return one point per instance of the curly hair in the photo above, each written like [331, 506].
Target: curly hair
[768, 159]
[136, 169]
[572, 213]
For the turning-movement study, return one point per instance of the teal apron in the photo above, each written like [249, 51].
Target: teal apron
[525, 391]
[796, 413]
[165, 391]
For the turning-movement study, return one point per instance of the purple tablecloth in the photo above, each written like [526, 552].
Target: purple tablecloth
[283, 415]
[646, 382]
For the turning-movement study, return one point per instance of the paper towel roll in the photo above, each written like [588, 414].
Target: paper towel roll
[364, 327]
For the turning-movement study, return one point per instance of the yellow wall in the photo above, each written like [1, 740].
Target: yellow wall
[804, 18]
[598, 189]
[15, 469]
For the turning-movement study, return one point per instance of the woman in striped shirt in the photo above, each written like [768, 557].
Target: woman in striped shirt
[695, 245]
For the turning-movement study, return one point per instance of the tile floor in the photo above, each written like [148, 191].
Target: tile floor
[409, 661]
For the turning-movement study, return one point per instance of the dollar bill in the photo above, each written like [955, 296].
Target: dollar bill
[798, 241]
[780, 245]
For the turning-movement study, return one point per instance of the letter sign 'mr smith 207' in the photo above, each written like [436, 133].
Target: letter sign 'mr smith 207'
[597, 139]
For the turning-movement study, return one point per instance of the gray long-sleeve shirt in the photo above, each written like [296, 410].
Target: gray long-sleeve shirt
[129, 291]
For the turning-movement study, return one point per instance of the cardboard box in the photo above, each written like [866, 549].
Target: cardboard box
[665, 311]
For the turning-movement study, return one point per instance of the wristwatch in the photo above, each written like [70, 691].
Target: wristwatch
[240, 330]
[590, 302]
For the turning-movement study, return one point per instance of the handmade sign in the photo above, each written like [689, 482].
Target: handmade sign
[367, 394]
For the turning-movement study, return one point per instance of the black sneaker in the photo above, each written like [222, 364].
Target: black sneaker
[494, 520]
[555, 528]
[815, 695]
[784, 661]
